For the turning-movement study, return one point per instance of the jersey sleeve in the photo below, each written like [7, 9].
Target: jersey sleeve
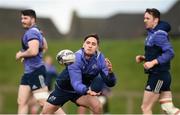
[161, 40]
[32, 34]
[108, 78]
[76, 76]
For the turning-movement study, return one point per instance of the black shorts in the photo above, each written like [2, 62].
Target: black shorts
[59, 96]
[35, 79]
[158, 82]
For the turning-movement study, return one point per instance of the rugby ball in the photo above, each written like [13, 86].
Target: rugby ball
[65, 57]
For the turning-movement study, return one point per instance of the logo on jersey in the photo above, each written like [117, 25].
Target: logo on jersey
[83, 67]
[94, 66]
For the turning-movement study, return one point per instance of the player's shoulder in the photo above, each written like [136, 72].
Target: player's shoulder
[34, 30]
[161, 37]
[79, 55]
[100, 55]
[162, 28]
[161, 33]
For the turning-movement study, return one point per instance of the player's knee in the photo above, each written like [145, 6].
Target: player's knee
[145, 109]
[51, 109]
[168, 107]
[97, 107]
[21, 101]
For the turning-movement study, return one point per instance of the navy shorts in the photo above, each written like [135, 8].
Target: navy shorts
[35, 79]
[59, 96]
[158, 82]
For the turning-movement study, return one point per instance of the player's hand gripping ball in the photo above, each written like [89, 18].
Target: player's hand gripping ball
[65, 57]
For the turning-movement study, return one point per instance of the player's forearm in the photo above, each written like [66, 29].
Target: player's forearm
[77, 85]
[80, 88]
[109, 79]
[154, 62]
[112, 79]
[29, 53]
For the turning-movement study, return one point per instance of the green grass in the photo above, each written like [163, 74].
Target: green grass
[122, 54]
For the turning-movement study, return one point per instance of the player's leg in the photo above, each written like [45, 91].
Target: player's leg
[166, 96]
[167, 104]
[24, 94]
[104, 100]
[152, 92]
[49, 108]
[91, 102]
[41, 95]
[60, 111]
[106, 106]
[56, 99]
[149, 99]
[81, 110]
[34, 107]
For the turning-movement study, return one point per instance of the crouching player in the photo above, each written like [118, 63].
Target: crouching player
[74, 81]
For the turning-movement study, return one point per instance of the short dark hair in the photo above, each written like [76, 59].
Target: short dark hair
[29, 12]
[94, 36]
[154, 12]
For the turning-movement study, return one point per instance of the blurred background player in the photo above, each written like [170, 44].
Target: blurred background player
[51, 72]
[157, 58]
[74, 81]
[33, 80]
[31, 54]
